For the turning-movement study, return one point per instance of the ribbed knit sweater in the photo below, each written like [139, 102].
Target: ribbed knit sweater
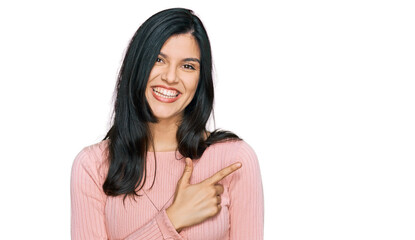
[95, 215]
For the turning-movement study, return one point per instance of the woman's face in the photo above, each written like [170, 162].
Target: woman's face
[174, 77]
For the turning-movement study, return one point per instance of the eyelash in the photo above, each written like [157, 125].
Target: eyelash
[187, 66]
[191, 67]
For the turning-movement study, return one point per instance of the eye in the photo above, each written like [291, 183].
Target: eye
[159, 59]
[188, 66]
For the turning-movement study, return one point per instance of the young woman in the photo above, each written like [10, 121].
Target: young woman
[196, 190]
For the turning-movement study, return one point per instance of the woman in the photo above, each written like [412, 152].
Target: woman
[164, 99]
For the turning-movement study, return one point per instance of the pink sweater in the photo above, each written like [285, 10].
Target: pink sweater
[97, 216]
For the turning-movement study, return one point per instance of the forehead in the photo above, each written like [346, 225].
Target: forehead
[181, 46]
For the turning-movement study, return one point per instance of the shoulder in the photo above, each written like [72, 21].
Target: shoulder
[235, 150]
[232, 146]
[230, 152]
[92, 160]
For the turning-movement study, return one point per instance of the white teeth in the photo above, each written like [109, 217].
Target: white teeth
[165, 93]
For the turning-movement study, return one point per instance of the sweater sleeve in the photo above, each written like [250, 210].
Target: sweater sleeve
[246, 197]
[88, 206]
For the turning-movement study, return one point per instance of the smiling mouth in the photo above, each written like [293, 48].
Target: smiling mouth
[165, 93]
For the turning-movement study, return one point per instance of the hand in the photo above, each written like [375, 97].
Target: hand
[195, 203]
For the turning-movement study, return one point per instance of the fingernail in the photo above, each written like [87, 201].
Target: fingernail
[239, 164]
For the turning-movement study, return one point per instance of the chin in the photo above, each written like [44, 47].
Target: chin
[166, 116]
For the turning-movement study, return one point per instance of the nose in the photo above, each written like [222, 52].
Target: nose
[170, 74]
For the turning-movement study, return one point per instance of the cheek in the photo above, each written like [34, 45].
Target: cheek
[147, 91]
[153, 74]
[155, 71]
[147, 95]
[192, 83]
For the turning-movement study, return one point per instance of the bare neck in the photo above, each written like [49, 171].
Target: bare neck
[164, 136]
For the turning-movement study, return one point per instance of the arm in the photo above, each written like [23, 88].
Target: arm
[246, 197]
[88, 206]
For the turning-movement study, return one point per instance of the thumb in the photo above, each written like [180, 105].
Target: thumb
[187, 173]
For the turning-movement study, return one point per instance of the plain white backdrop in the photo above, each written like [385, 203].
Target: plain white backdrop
[322, 90]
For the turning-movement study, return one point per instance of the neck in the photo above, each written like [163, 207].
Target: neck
[164, 135]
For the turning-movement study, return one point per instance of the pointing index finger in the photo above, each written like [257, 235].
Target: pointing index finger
[223, 173]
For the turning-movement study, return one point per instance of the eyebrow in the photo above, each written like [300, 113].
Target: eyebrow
[186, 59]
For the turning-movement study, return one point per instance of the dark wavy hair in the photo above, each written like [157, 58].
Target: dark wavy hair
[130, 137]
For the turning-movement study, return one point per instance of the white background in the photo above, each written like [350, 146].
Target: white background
[322, 90]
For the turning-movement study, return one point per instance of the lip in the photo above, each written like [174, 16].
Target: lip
[165, 100]
[169, 88]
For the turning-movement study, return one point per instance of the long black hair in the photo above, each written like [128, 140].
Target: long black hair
[130, 137]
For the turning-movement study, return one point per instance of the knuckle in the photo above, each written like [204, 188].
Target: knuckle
[213, 211]
[213, 192]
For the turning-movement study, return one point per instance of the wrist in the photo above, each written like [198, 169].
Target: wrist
[173, 219]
